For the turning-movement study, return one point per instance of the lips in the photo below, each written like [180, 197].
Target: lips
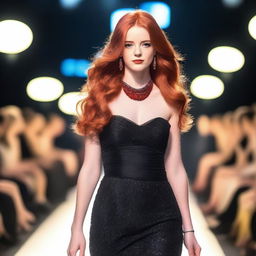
[137, 61]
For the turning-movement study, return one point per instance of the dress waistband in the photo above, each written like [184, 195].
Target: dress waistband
[138, 163]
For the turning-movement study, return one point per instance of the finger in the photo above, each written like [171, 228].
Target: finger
[82, 249]
[191, 252]
[68, 252]
[72, 252]
[198, 251]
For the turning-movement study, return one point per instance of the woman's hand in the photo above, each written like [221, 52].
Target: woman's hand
[77, 242]
[191, 244]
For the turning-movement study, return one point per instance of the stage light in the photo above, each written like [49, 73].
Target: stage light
[44, 89]
[226, 59]
[207, 87]
[160, 11]
[73, 67]
[232, 3]
[67, 67]
[81, 68]
[70, 4]
[67, 102]
[252, 27]
[16, 36]
[116, 15]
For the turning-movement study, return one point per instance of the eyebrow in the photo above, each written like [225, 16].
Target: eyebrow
[141, 41]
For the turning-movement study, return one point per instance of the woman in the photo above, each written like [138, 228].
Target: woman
[131, 120]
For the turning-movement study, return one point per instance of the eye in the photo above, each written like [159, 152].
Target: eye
[127, 45]
[147, 44]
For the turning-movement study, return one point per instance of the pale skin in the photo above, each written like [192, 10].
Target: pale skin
[24, 216]
[26, 170]
[137, 46]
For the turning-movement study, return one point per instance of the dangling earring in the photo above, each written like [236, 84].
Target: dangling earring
[120, 64]
[154, 63]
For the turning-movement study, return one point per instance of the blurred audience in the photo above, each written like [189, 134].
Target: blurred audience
[10, 149]
[40, 135]
[226, 178]
[35, 174]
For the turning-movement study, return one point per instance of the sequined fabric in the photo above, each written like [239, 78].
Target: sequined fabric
[135, 212]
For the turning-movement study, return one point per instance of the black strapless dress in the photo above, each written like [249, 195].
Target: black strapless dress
[135, 212]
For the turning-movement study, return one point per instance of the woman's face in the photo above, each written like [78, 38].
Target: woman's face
[38, 122]
[137, 46]
[57, 125]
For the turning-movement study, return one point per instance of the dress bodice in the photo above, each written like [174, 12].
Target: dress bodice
[134, 151]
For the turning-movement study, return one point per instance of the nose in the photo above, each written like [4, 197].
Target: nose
[137, 51]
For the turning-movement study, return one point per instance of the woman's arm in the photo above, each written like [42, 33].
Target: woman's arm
[87, 180]
[176, 173]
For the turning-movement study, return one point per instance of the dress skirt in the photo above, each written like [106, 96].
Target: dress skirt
[135, 217]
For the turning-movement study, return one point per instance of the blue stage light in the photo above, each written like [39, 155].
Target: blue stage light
[160, 11]
[67, 67]
[232, 3]
[73, 67]
[81, 68]
[116, 15]
[70, 4]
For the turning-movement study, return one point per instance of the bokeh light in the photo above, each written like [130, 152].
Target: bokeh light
[70, 4]
[252, 27]
[44, 89]
[75, 67]
[226, 59]
[232, 3]
[15, 36]
[207, 87]
[116, 15]
[67, 102]
[160, 11]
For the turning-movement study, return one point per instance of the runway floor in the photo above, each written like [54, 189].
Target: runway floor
[53, 234]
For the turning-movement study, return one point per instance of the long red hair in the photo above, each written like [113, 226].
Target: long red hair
[104, 77]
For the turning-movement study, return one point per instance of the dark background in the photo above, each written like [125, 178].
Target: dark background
[196, 27]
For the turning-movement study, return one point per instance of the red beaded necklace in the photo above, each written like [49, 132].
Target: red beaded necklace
[138, 94]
